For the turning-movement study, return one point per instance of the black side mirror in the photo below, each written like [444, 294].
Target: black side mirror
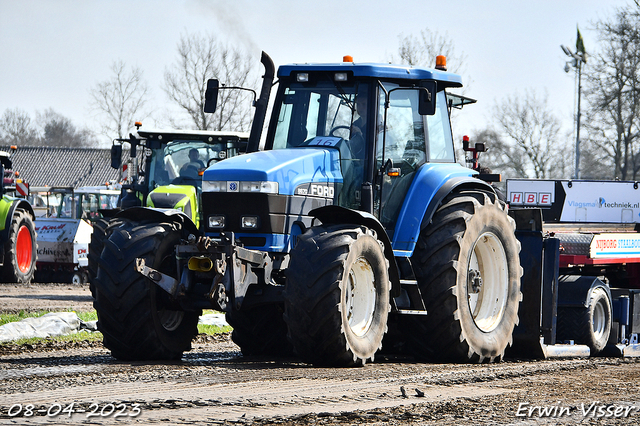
[427, 102]
[116, 156]
[211, 96]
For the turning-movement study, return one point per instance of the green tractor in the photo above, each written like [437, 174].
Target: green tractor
[18, 248]
[170, 178]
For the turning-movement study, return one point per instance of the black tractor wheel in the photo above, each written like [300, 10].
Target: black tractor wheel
[102, 229]
[20, 249]
[337, 295]
[260, 331]
[138, 319]
[468, 270]
[589, 325]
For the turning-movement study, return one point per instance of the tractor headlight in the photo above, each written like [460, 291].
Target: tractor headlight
[214, 186]
[216, 221]
[264, 187]
[250, 222]
[340, 76]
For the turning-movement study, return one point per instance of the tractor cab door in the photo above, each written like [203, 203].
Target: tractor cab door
[406, 142]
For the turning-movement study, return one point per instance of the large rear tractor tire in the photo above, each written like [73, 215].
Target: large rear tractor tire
[260, 331]
[20, 249]
[589, 325]
[468, 270]
[337, 295]
[138, 319]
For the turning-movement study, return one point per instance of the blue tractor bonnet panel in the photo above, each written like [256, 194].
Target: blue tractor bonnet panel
[428, 180]
[386, 71]
[288, 167]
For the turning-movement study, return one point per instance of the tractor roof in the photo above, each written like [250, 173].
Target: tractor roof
[401, 72]
[172, 134]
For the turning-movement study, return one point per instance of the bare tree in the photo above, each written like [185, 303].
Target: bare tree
[201, 57]
[120, 100]
[528, 141]
[16, 129]
[501, 157]
[59, 131]
[613, 93]
[422, 49]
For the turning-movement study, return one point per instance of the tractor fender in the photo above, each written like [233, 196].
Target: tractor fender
[575, 290]
[336, 215]
[421, 203]
[449, 187]
[10, 211]
[159, 215]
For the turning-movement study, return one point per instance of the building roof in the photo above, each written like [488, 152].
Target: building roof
[59, 166]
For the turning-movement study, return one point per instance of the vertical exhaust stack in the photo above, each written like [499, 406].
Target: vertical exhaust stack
[262, 103]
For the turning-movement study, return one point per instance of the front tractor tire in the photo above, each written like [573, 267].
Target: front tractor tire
[138, 319]
[20, 249]
[337, 295]
[468, 270]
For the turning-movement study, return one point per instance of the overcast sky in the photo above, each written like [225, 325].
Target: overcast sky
[53, 51]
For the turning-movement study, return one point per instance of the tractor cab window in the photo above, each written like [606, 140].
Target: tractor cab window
[401, 145]
[90, 206]
[327, 108]
[69, 206]
[181, 162]
[440, 139]
[108, 201]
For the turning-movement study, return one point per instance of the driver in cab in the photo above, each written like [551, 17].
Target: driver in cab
[193, 167]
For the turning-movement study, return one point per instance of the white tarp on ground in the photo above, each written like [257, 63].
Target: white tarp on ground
[60, 323]
[213, 319]
[48, 325]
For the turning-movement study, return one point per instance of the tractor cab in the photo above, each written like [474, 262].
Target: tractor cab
[173, 162]
[181, 158]
[360, 134]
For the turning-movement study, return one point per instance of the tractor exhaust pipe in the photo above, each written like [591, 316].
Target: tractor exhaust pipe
[261, 104]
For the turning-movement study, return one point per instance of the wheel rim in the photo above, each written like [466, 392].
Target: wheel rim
[170, 320]
[487, 282]
[76, 279]
[24, 249]
[599, 320]
[360, 296]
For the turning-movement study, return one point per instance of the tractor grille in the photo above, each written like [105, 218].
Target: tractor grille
[276, 212]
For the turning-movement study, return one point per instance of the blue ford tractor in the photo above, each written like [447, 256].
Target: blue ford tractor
[353, 220]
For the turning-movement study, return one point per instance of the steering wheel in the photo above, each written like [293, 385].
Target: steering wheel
[338, 128]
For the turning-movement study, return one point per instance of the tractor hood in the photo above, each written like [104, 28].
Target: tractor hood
[289, 168]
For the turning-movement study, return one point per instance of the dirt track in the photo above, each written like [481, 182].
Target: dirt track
[215, 384]
[44, 297]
